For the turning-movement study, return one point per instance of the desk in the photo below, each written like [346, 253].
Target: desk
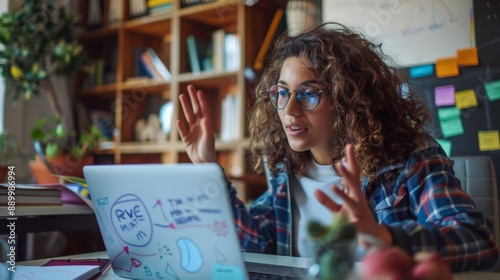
[30, 219]
[261, 258]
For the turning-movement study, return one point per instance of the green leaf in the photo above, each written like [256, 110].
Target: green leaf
[60, 130]
[37, 133]
[51, 150]
[73, 179]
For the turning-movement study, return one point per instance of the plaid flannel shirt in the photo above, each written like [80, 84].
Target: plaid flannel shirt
[422, 205]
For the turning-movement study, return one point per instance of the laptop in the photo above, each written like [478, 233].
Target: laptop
[171, 221]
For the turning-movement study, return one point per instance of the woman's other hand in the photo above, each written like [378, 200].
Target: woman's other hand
[197, 133]
[354, 204]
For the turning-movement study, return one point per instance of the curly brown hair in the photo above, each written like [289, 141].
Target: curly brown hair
[367, 106]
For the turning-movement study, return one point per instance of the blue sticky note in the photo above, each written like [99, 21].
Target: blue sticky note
[446, 145]
[421, 71]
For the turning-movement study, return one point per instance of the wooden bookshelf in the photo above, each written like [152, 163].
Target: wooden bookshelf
[131, 99]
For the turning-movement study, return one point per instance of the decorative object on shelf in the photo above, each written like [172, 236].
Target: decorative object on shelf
[104, 121]
[301, 15]
[149, 130]
[166, 117]
[40, 44]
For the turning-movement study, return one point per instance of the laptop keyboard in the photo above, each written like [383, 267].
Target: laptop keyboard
[253, 275]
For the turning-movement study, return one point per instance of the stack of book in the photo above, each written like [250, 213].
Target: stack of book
[159, 6]
[30, 195]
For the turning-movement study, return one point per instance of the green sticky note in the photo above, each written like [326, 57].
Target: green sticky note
[446, 145]
[493, 90]
[452, 127]
[448, 113]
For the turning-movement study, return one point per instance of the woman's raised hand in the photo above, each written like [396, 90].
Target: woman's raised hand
[197, 134]
[355, 205]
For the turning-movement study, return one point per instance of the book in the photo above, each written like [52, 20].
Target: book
[230, 119]
[186, 3]
[158, 64]
[149, 66]
[152, 3]
[24, 195]
[115, 16]
[218, 49]
[232, 51]
[75, 272]
[194, 57]
[94, 14]
[160, 9]
[137, 8]
[44, 195]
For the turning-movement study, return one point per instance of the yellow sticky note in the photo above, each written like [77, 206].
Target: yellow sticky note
[489, 140]
[447, 67]
[467, 57]
[465, 99]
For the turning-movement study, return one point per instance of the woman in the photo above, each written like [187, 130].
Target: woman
[329, 107]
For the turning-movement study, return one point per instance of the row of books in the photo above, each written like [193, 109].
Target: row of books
[222, 53]
[137, 8]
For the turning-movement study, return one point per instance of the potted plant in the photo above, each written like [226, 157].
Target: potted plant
[8, 145]
[49, 136]
[40, 44]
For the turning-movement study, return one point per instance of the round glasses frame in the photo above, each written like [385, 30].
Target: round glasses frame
[288, 91]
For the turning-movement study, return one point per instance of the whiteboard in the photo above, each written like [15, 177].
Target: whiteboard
[412, 32]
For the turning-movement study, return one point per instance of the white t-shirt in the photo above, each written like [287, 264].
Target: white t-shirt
[317, 177]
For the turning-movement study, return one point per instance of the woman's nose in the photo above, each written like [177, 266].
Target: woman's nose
[292, 107]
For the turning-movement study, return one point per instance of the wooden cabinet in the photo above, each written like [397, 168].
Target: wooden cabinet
[129, 99]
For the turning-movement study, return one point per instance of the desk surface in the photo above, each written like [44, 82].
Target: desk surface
[260, 258]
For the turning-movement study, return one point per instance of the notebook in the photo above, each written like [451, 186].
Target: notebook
[167, 221]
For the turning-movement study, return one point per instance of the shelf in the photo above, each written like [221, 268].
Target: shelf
[101, 33]
[154, 148]
[156, 25]
[209, 79]
[105, 89]
[133, 100]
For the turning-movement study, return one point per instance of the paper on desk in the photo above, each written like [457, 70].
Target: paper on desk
[69, 272]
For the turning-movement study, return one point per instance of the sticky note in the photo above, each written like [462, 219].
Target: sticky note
[466, 99]
[421, 71]
[448, 113]
[446, 145]
[444, 95]
[452, 127]
[447, 67]
[467, 57]
[493, 90]
[489, 140]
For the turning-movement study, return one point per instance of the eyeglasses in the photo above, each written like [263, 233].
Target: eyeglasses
[307, 96]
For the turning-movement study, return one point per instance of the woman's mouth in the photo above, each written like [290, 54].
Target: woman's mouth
[296, 130]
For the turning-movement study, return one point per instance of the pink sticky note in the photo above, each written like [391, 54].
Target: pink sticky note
[444, 95]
